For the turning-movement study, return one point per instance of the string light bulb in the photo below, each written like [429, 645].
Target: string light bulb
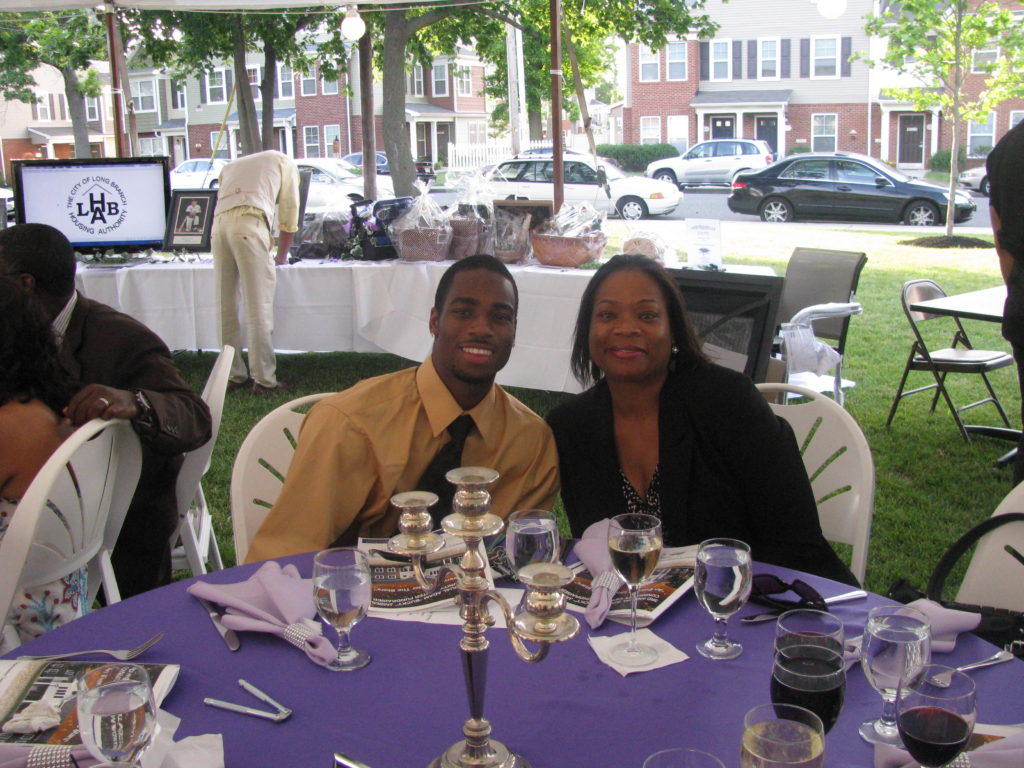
[831, 9]
[352, 26]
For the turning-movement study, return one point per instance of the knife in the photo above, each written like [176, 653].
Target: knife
[348, 762]
[855, 594]
[230, 638]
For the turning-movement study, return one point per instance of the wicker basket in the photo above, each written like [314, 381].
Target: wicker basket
[424, 244]
[560, 251]
[469, 237]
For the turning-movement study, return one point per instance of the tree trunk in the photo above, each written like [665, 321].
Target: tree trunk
[536, 125]
[248, 126]
[267, 93]
[76, 111]
[396, 134]
[954, 172]
[366, 110]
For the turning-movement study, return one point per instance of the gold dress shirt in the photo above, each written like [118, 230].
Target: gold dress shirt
[363, 445]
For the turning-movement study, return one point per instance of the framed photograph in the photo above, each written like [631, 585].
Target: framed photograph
[191, 220]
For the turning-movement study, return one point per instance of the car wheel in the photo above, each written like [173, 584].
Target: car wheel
[921, 213]
[632, 208]
[666, 175]
[214, 184]
[776, 209]
[983, 187]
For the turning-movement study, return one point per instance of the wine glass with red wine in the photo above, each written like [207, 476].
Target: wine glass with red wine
[811, 676]
[935, 721]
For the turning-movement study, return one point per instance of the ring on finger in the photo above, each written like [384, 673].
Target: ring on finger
[106, 403]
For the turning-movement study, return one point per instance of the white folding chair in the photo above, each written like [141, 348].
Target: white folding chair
[194, 542]
[994, 577]
[71, 514]
[839, 465]
[260, 467]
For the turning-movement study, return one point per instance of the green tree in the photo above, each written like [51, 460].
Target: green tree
[68, 41]
[936, 41]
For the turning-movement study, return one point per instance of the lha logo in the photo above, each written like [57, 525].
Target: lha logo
[97, 205]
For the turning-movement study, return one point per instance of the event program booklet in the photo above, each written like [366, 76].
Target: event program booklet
[671, 580]
[49, 688]
[395, 588]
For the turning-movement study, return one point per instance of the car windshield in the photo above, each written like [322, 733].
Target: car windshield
[611, 172]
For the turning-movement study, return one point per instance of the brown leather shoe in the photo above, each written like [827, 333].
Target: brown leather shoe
[259, 389]
[234, 386]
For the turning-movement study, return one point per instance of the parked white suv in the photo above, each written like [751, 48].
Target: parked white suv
[716, 161]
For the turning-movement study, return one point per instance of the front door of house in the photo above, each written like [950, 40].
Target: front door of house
[444, 135]
[911, 139]
[767, 129]
[723, 127]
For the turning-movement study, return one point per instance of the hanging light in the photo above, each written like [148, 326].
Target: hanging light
[831, 9]
[352, 26]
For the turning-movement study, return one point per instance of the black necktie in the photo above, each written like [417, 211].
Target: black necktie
[448, 458]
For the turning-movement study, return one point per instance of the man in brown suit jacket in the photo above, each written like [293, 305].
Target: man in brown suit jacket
[124, 371]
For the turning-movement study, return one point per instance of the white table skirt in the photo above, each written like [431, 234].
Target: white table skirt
[352, 306]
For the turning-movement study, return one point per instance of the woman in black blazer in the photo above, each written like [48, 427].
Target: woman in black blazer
[665, 431]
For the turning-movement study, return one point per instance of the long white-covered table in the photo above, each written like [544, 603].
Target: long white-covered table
[351, 306]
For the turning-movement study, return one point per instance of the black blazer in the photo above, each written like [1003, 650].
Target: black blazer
[729, 467]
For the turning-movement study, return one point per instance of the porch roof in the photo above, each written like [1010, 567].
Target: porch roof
[779, 96]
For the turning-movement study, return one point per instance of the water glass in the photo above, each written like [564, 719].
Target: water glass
[722, 582]
[682, 758]
[532, 537]
[341, 591]
[782, 736]
[807, 626]
[935, 714]
[896, 646]
[116, 712]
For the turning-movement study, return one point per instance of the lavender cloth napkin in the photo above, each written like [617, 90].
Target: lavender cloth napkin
[592, 550]
[1004, 753]
[276, 600]
[50, 755]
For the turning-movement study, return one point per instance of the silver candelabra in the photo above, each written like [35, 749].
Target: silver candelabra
[541, 619]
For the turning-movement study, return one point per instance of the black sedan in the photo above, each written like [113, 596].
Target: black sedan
[842, 186]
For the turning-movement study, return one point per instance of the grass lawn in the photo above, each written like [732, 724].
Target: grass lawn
[931, 486]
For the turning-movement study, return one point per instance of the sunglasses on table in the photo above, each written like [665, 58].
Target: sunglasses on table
[767, 585]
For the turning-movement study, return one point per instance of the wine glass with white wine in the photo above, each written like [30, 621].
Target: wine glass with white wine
[634, 543]
[722, 582]
[782, 736]
[341, 590]
[116, 713]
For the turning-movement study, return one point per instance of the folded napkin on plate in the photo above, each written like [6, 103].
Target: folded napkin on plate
[947, 623]
[275, 600]
[1004, 753]
[592, 550]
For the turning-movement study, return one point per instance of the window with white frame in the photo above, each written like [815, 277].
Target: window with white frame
[984, 59]
[144, 95]
[216, 86]
[721, 59]
[43, 107]
[981, 136]
[416, 80]
[332, 140]
[823, 133]
[329, 87]
[650, 68]
[678, 131]
[675, 61]
[825, 57]
[151, 146]
[285, 82]
[478, 133]
[768, 58]
[255, 76]
[92, 109]
[465, 82]
[311, 141]
[1016, 117]
[308, 87]
[222, 149]
[440, 79]
[650, 130]
[178, 97]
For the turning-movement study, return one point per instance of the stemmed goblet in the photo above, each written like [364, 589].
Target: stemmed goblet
[781, 736]
[341, 590]
[634, 543]
[116, 713]
[895, 647]
[722, 582]
[809, 669]
[532, 537]
[935, 721]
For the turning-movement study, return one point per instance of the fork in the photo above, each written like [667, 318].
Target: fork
[943, 679]
[122, 655]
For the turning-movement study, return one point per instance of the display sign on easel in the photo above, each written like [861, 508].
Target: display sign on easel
[704, 243]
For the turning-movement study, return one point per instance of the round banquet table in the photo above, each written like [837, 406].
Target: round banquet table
[409, 704]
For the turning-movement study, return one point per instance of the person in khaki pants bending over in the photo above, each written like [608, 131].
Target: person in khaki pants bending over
[255, 190]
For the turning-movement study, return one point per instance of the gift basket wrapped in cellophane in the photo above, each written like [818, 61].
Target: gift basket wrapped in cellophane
[472, 218]
[570, 238]
[422, 233]
[649, 244]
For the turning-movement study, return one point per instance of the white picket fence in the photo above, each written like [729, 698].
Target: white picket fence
[467, 157]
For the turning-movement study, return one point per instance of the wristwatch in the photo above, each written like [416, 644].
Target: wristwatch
[145, 418]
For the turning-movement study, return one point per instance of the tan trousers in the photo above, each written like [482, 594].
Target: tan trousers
[243, 258]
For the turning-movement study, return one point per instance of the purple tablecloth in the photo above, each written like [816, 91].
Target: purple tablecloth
[409, 705]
